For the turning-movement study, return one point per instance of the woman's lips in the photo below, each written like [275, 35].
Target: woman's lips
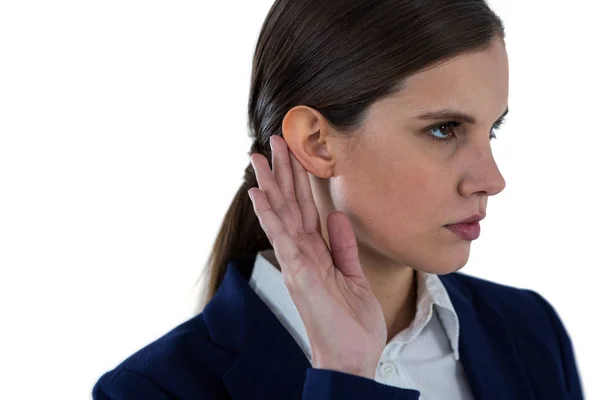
[469, 231]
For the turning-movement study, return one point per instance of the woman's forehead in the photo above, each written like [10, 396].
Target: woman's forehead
[473, 83]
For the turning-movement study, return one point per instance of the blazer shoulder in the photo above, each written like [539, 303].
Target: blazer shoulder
[183, 361]
[522, 308]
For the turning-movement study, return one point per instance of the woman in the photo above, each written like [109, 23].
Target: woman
[334, 275]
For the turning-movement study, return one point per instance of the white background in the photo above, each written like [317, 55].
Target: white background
[123, 140]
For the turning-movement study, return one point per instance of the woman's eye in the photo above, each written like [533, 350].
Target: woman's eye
[444, 132]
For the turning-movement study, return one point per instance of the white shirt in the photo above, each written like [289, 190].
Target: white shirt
[422, 357]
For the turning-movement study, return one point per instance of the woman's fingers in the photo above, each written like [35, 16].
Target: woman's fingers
[286, 249]
[269, 186]
[285, 179]
[304, 197]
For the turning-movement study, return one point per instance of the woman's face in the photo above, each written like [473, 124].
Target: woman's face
[397, 184]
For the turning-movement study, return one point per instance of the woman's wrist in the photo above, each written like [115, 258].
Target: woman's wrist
[365, 370]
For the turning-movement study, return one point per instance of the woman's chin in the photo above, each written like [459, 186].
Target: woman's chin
[450, 261]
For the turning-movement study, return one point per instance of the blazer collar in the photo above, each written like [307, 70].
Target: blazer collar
[270, 364]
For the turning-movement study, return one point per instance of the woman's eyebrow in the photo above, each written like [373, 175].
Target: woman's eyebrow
[452, 114]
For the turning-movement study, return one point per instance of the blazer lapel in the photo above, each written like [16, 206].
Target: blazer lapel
[487, 350]
[270, 364]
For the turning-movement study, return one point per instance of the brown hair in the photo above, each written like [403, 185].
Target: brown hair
[338, 57]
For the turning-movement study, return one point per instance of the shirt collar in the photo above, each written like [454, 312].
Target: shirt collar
[431, 292]
[268, 283]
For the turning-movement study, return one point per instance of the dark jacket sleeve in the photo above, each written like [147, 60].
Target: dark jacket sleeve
[324, 384]
[122, 384]
[570, 368]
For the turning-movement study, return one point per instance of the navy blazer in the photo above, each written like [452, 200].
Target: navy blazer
[512, 345]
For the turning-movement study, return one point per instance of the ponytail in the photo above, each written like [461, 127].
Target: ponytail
[240, 233]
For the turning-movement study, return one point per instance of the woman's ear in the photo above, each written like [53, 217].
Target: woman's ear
[309, 137]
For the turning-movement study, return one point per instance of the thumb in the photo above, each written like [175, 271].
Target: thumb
[342, 243]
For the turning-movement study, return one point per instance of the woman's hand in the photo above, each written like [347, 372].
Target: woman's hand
[344, 321]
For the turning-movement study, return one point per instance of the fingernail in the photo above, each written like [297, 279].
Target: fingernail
[250, 194]
[271, 142]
